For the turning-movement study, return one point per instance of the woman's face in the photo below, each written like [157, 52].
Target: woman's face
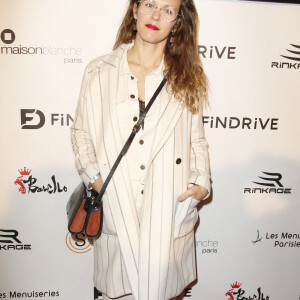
[152, 28]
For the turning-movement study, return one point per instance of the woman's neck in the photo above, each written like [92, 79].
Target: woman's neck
[145, 55]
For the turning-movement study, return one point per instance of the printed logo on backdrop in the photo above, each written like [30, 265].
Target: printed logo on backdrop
[10, 240]
[71, 54]
[245, 123]
[31, 294]
[36, 119]
[238, 293]
[207, 246]
[278, 239]
[217, 52]
[188, 293]
[267, 184]
[292, 58]
[8, 36]
[78, 243]
[27, 184]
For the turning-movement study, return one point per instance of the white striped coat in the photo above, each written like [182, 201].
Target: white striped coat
[154, 259]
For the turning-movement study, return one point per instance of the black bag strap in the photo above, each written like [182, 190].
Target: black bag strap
[126, 146]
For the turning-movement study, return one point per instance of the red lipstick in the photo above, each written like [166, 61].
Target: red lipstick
[153, 27]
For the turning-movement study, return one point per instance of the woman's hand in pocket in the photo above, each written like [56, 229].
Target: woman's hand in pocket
[197, 192]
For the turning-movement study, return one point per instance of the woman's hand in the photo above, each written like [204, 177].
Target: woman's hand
[97, 185]
[197, 192]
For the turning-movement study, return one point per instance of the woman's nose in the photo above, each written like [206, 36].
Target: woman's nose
[156, 13]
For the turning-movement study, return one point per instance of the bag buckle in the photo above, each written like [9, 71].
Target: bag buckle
[90, 204]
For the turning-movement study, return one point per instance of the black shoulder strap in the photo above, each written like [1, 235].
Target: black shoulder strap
[125, 148]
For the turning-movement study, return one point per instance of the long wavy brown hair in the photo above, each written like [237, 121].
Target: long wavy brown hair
[183, 67]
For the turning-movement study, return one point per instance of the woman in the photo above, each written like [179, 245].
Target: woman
[146, 250]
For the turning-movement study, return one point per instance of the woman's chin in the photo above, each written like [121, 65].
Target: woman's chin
[149, 39]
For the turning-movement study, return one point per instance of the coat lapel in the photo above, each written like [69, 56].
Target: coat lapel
[157, 214]
[169, 114]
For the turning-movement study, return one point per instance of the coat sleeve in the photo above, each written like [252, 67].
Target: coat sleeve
[199, 159]
[83, 147]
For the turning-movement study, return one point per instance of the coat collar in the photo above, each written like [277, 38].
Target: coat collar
[112, 60]
[118, 58]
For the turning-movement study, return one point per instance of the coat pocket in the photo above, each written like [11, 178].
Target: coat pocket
[186, 216]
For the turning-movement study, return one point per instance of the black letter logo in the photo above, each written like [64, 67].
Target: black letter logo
[25, 118]
[8, 36]
[276, 178]
[294, 51]
[9, 236]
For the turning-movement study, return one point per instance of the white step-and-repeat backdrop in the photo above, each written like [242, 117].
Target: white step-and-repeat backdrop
[248, 238]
